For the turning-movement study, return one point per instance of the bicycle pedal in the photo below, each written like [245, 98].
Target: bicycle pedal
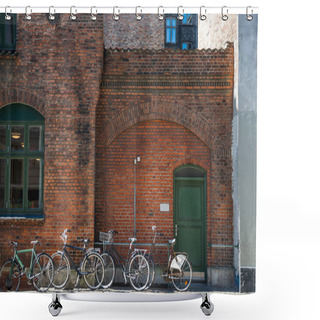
[166, 278]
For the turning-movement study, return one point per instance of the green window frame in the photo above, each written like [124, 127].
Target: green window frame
[8, 32]
[21, 161]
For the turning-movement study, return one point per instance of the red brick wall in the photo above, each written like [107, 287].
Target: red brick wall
[190, 92]
[57, 71]
[162, 146]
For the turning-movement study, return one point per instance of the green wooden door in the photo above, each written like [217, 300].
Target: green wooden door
[190, 220]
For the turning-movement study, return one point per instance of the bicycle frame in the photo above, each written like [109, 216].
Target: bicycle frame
[115, 254]
[65, 252]
[22, 266]
[171, 254]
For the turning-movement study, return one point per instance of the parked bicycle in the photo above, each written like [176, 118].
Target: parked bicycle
[135, 267]
[40, 271]
[91, 265]
[178, 268]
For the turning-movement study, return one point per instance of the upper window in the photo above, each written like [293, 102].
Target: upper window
[187, 19]
[21, 161]
[171, 31]
[8, 33]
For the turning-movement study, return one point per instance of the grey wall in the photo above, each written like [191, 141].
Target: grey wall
[247, 149]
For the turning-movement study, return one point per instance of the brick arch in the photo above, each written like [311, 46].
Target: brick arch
[193, 161]
[14, 95]
[156, 110]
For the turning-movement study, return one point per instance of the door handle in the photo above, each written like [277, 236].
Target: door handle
[176, 230]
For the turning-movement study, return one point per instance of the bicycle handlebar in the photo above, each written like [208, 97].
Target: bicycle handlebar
[64, 235]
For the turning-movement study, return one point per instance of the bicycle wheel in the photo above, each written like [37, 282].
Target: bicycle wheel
[181, 272]
[93, 270]
[152, 271]
[139, 271]
[109, 270]
[42, 272]
[10, 275]
[61, 270]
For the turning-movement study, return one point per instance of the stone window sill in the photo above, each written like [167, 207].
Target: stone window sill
[8, 54]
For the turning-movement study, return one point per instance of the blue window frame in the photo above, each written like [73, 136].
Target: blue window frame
[171, 31]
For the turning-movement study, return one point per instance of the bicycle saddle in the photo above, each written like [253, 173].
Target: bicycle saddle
[34, 242]
[14, 243]
[132, 240]
[172, 241]
[85, 240]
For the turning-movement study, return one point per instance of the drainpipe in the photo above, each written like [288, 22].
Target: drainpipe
[135, 162]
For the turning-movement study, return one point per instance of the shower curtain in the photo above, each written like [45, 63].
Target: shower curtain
[139, 124]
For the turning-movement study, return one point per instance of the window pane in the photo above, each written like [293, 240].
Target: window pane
[173, 39]
[16, 183]
[8, 34]
[2, 138]
[173, 22]
[168, 35]
[168, 22]
[2, 181]
[34, 183]
[185, 18]
[17, 138]
[184, 46]
[34, 138]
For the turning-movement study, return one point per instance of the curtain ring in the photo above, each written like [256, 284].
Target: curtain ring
[249, 17]
[52, 11]
[224, 16]
[203, 13]
[73, 15]
[138, 16]
[160, 15]
[116, 16]
[180, 13]
[93, 15]
[28, 13]
[6, 15]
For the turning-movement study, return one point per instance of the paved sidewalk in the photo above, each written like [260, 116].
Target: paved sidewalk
[163, 289]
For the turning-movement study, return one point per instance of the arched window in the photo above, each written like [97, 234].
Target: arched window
[21, 161]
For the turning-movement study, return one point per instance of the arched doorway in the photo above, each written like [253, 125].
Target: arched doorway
[190, 216]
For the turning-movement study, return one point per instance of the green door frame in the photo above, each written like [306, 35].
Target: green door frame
[204, 217]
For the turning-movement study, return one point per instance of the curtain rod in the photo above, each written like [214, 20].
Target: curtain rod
[203, 10]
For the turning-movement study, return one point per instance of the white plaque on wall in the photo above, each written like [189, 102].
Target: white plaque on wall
[164, 207]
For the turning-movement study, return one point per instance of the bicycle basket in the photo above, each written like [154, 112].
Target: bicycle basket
[178, 261]
[106, 237]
